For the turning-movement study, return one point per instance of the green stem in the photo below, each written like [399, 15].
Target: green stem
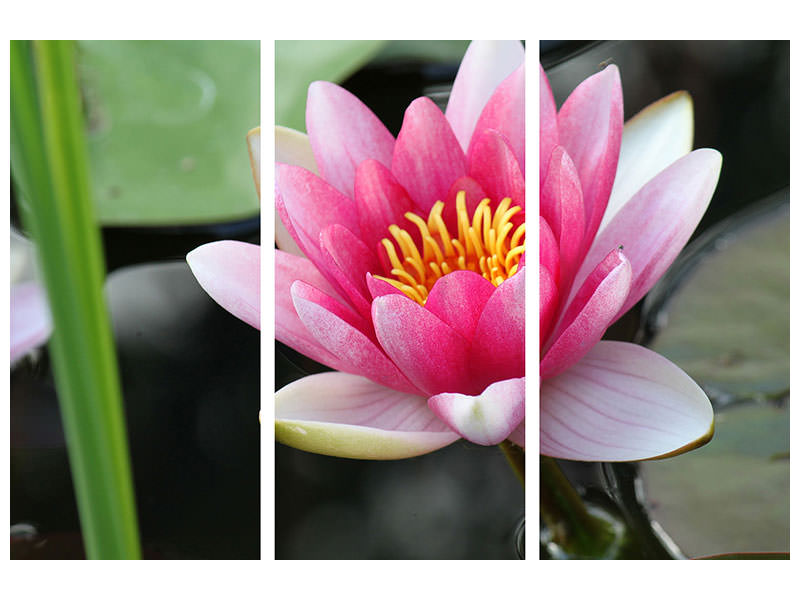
[50, 168]
[516, 458]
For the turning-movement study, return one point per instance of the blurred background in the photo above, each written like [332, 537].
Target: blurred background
[722, 310]
[463, 501]
[167, 125]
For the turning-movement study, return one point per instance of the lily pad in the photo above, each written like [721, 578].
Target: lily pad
[167, 129]
[722, 314]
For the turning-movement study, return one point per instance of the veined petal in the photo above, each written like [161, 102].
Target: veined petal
[548, 123]
[505, 113]
[651, 141]
[484, 66]
[622, 402]
[230, 272]
[488, 418]
[493, 165]
[590, 130]
[343, 133]
[587, 317]
[427, 157]
[345, 415]
[458, 299]
[498, 346]
[344, 334]
[657, 222]
[31, 324]
[289, 329]
[431, 353]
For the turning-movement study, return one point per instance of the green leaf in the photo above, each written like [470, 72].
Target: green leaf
[167, 126]
[299, 62]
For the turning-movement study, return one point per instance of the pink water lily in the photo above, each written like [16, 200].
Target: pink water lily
[31, 323]
[408, 272]
[616, 206]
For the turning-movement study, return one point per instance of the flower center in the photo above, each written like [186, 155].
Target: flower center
[485, 245]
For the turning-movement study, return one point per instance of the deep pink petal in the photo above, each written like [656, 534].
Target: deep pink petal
[657, 222]
[488, 418]
[345, 415]
[379, 287]
[458, 299]
[498, 346]
[381, 202]
[548, 303]
[485, 65]
[431, 353]
[230, 272]
[589, 314]
[343, 132]
[494, 166]
[343, 336]
[427, 158]
[549, 255]
[548, 123]
[347, 259]
[561, 204]
[288, 327]
[505, 113]
[31, 324]
[590, 129]
[622, 402]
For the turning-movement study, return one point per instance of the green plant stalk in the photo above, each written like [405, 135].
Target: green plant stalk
[50, 168]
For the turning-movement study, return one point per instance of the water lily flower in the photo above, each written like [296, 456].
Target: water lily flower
[408, 273]
[31, 323]
[616, 206]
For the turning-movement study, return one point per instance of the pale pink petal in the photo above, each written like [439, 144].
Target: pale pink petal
[498, 346]
[493, 165]
[622, 402]
[518, 435]
[458, 299]
[31, 324]
[657, 222]
[343, 133]
[427, 157]
[230, 272]
[589, 314]
[431, 353]
[548, 123]
[254, 149]
[343, 334]
[505, 113]
[381, 202]
[488, 418]
[651, 141]
[484, 66]
[292, 148]
[590, 130]
[288, 327]
[351, 417]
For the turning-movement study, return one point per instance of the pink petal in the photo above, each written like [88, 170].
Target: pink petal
[495, 168]
[589, 314]
[289, 329]
[381, 202]
[431, 353]
[484, 67]
[31, 324]
[657, 222]
[379, 287]
[427, 158]
[351, 417]
[549, 255]
[548, 123]
[548, 303]
[230, 272]
[343, 133]
[505, 113]
[498, 346]
[622, 402]
[293, 148]
[518, 435]
[590, 130]
[488, 418]
[458, 299]
[343, 334]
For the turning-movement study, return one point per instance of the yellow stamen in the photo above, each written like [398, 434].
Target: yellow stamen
[485, 245]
